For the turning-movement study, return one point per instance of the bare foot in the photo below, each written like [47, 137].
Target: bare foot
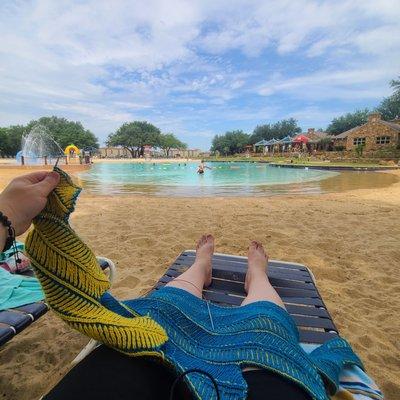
[204, 252]
[257, 263]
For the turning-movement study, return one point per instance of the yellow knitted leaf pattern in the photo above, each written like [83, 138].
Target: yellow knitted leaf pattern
[73, 282]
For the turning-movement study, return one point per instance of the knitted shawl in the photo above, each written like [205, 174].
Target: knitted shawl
[187, 332]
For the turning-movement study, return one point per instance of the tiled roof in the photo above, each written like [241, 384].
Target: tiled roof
[344, 134]
[319, 134]
[392, 125]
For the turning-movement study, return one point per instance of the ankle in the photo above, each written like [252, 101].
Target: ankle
[255, 275]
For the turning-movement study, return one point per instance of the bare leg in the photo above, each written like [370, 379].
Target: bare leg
[257, 285]
[199, 274]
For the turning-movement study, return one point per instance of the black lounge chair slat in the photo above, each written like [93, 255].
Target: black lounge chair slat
[310, 311]
[313, 301]
[17, 320]
[223, 299]
[6, 333]
[293, 282]
[307, 336]
[313, 322]
[34, 309]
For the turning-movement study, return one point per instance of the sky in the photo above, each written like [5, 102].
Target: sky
[195, 68]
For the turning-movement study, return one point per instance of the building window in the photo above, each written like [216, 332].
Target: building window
[359, 140]
[382, 139]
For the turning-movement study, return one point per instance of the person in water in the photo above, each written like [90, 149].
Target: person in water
[26, 196]
[202, 167]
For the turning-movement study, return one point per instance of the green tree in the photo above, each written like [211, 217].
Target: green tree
[169, 141]
[133, 136]
[278, 130]
[10, 140]
[348, 121]
[390, 106]
[395, 84]
[3, 142]
[66, 132]
[231, 142]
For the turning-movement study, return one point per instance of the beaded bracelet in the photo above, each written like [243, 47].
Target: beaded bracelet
[10, 241]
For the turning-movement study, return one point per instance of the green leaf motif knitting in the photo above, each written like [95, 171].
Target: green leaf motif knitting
[74, 283]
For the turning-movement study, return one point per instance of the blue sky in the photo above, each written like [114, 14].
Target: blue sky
[195, 68]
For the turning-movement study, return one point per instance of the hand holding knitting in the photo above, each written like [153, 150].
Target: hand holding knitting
[25, 196]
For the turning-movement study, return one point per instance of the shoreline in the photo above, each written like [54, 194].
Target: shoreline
[348, 239]
[144, 160]
[335, 167]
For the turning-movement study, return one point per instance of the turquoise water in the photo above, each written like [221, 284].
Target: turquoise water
[223, 179]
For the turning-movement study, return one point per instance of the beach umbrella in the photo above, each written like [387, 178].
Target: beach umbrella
[301, 139]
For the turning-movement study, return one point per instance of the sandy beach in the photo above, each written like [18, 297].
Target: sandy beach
[350, 240]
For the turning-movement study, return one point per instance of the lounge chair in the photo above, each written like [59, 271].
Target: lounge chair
[294, 282]
[15, 320]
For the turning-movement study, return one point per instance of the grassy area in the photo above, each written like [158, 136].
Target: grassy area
[304, 161]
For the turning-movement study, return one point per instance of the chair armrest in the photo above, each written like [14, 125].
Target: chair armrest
[107, 263]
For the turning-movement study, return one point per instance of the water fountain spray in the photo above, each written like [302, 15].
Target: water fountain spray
[39, 145]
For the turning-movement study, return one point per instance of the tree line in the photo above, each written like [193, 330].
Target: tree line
[233, 142]
[64, 132]
[133, 136]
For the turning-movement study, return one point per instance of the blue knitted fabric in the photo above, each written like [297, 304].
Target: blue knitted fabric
[223, 340]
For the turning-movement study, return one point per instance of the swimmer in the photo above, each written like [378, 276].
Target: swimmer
[201, 168]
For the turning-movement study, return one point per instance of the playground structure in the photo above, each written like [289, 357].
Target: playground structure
[72, 151]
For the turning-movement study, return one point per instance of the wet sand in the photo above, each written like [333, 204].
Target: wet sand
[349, 239]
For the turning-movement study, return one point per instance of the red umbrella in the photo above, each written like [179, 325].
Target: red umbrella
[301, 139]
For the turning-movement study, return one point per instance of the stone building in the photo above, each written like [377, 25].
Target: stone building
[373, 135]
[114, 152]
[185, 153]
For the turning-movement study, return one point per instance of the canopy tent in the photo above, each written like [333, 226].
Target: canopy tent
[261, 143]
[286, 140]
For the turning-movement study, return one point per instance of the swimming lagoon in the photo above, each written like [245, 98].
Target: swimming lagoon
[181, 179]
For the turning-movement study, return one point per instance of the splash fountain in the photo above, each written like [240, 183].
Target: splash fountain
[39, 147]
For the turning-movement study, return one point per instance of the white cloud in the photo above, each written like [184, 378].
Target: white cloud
[360, 82]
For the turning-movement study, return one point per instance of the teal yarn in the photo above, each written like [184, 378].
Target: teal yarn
[260, 334]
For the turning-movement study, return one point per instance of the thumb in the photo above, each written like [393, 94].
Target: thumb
[49, 182]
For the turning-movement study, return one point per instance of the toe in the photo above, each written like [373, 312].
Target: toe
[200, 242]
